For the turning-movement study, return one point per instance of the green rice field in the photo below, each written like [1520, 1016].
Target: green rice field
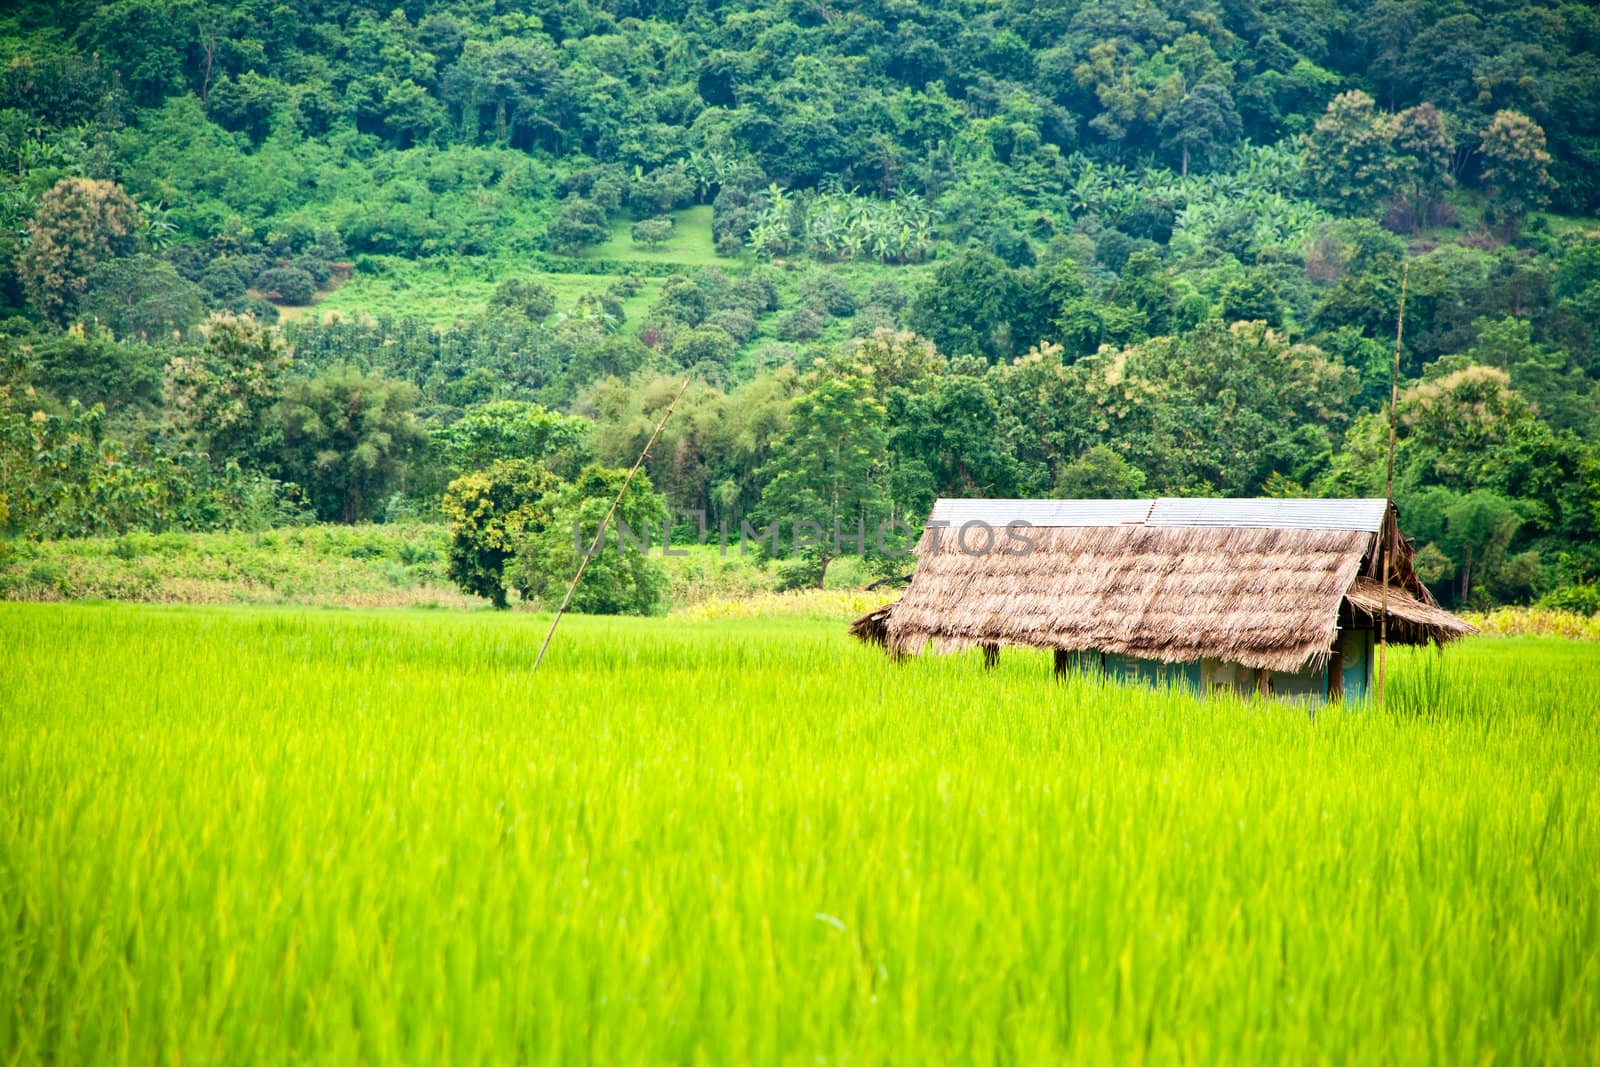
[243, 836]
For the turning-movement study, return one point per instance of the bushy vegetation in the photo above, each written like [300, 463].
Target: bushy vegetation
[445, 208]
[236, 836]
[392, 565]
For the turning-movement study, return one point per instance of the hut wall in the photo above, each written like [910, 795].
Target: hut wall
[1309, 685]
[1355, 654]
[1306, 686]
[1151, 672]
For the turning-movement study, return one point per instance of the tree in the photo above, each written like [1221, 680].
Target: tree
[1349, 156]
[828, 468]
[1424, 151]
[974, 305]
[890, 359]
[1203, 123]
[141, 298]
[516, 429]
[621, 578]
[346, 440]
[287, 285]
[651, 232]
[955, 431]
[1516, 163]
[490, 513]
[578, 222]
[80, 223]
[703, 346]
[91, 367]
[1210, 409]
[219, 397]
[1100, 473]
[1464, 535]
[528, 297]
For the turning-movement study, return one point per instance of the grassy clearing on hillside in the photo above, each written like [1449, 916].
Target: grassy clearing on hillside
[446, 289]
[441, 292]
[690, 245]
[274, 836]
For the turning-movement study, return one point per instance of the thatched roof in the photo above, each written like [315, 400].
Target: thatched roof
[1260, 583]
[1411, 622]
[873, 627]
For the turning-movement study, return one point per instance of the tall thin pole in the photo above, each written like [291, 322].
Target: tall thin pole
[599, 538]
[1388, 489]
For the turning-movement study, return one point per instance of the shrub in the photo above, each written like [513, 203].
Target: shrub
[651, 232]
[530, 298]
[490, 513]
[802, 324]
[829, 292]
[287, 285]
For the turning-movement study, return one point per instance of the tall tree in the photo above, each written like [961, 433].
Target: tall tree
[346, 440]
[621, 578]
[491, 512]
[1424, 152]
[1349, 155]
[974, 305]
[219, 397]
[80, 224]
[1516, 163]
[828, 469]
[1204, 123]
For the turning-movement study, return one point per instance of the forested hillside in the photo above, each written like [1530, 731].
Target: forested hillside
[276, 261]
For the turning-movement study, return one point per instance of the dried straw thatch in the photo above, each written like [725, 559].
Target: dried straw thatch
[873, 627]
[1411, 622]
[1261, 597]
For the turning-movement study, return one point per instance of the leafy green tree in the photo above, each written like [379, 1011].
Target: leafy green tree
[1349, 155]
[515, 86]
[491, 512]
[80, 224]
[828, 468]
[141, 298]
[1516, 163]
[955, 430]
[1100, 473]
[1204, 410]
[621, 578]
[528, 297]
[219, 397]
[1204, 123]
[516, 429]
[974, 305]
[578, 222]
[1469, 532]
[891, 360]
[347, 438]
[287, 285]
[1424, 151]
[651, 232]
[703, 346]
[93, 368]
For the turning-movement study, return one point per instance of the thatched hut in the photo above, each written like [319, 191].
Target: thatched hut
[1273, 595]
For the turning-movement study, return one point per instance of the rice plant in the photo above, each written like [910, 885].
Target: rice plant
[263, 836]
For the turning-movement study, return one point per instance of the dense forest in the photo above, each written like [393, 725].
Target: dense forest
[278, 261]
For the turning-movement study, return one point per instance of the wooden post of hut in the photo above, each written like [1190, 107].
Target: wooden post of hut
[1061, 664]
[991, 656]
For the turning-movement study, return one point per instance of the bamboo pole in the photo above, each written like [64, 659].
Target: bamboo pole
[1385, 535]
[599, 538]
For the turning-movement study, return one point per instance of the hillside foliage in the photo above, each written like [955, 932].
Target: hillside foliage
[261, 264]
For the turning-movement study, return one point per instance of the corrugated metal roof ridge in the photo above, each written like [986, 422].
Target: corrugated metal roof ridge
[999, 512]
[1291, 513]
[1303, 513]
